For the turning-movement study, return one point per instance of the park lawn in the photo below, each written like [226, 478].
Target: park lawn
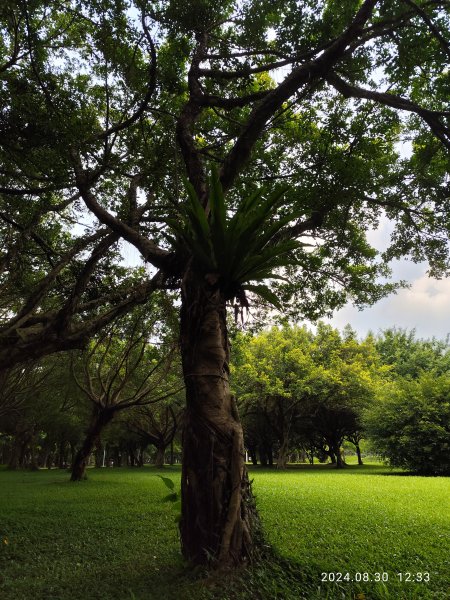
[112, 537]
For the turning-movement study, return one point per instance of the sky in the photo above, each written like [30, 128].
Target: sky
[424, 306]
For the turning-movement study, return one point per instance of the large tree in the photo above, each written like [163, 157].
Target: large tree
[105, 105]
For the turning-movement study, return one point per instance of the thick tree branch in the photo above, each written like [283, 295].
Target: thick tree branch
[431, 117]
[45, 284]
[150, 251]
[41, 333]
[246, 71]
[186, 120]
[70, 307]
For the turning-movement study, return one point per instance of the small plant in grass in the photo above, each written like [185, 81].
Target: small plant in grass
[174, 496]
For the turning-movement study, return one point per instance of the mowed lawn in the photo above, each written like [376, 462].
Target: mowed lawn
[112, 537]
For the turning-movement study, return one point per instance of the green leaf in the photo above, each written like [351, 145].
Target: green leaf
[270, 258]
[197, 213]
[167, 482]
[264, 292]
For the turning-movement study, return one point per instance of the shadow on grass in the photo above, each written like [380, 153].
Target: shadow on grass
[325, 469]
[271, 576]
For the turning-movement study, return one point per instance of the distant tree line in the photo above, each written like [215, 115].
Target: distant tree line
[303, 394]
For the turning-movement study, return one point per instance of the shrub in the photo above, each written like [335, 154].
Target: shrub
[409, 424]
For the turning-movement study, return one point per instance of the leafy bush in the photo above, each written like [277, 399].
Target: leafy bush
[409, 425]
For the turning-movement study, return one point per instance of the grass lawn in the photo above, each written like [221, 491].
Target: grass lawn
[111, 537]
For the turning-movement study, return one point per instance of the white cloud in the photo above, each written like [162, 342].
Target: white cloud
[425, 306]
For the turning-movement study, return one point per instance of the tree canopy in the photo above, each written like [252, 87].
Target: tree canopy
[309, 389]
[107, 105]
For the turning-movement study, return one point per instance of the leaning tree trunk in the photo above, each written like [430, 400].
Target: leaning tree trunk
[219, 520]
[358, 454]
[100, 419]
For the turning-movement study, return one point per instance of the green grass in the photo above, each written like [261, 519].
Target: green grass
[112, 538]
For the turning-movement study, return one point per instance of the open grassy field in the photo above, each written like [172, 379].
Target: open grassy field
[112, 538]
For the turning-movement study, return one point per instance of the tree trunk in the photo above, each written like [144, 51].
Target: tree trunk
[340, 463]
[33, 466]
[172, 459]
[253, 455]
[100, 419]
[219, 519]
[62, 462]
[117, 457]
[131, 457]
[358, 454]
[99, 455]
[263, 456]
[72, 454]
[283, 455]
[158, 460]
[14, 458]
[43, 456]
[49, 461]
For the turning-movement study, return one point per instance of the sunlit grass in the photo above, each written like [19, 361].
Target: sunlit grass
[361, 520]
[112, 538]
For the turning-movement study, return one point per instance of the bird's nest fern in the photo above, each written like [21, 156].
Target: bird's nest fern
[242, 251]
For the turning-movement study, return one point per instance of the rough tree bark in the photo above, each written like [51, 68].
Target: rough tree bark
[219, 522]
[100, 419]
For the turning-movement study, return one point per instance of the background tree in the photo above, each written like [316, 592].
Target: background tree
[272, 381]
[17, 383]
[44, 418]
[157, 425]
[311, 389]
[342, 385]
[118, 375]
[409, 424]
[409, 357]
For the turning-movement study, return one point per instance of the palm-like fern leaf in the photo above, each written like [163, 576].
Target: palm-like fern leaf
[243, 248]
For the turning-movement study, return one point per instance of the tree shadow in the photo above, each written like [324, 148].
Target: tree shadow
[326, 469]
